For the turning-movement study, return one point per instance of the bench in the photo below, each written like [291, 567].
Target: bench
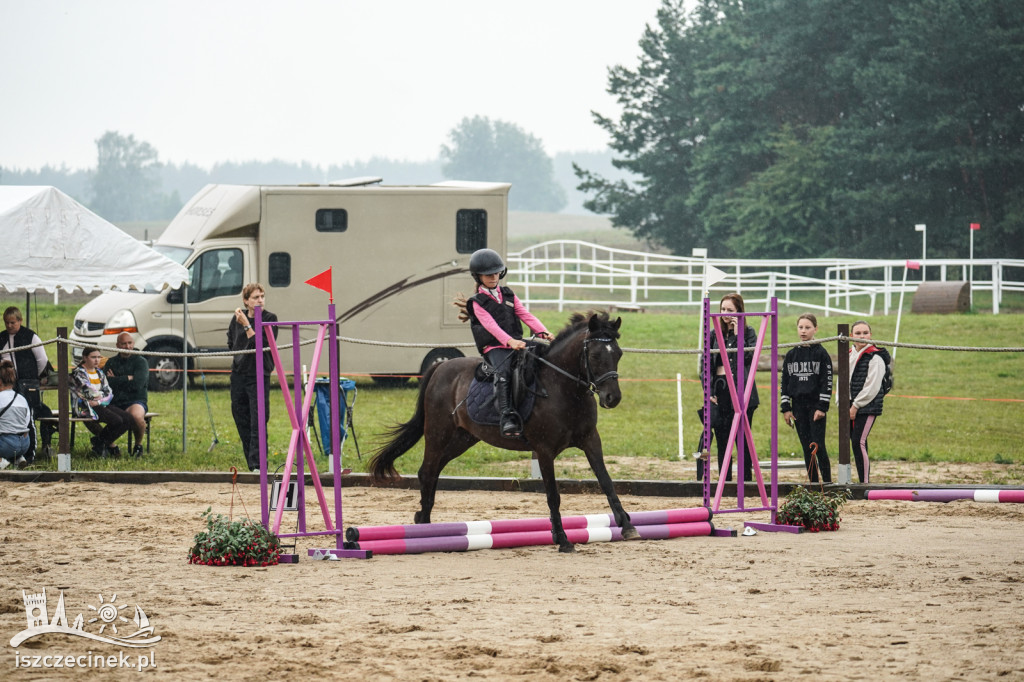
[48, 426]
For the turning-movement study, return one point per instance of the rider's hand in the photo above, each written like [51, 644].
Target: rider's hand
[516, 344]
[546, 336]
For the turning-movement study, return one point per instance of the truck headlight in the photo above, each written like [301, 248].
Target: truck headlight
[121, 321]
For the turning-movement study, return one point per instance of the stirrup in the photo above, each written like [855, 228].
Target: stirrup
[510, 426]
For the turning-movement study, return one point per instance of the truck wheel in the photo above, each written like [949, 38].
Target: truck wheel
[165, 372]
[439, 355]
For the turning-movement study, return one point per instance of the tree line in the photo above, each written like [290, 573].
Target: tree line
[130, 183]
[821, 128]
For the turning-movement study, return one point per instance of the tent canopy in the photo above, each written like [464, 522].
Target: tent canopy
[53, 241]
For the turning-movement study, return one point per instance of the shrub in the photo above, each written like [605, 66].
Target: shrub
[234, 543]
[814, 510]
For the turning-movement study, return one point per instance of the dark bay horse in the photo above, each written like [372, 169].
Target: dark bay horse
[582, 361]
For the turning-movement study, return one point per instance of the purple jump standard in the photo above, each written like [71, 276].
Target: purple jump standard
[948, 495]
[435, 530]
[465, 543]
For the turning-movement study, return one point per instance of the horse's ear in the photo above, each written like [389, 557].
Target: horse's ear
[592, 323]
[618, 323]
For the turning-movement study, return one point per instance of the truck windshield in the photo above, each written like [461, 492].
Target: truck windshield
[178, 254]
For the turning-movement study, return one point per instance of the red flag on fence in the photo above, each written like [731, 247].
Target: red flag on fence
[322, 281]
[975, 226]
[913, 265]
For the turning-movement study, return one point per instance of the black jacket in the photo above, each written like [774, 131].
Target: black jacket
[749, 340]
[245, 364]
[806, 377]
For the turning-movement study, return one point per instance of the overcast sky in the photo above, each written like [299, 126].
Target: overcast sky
[327, 82]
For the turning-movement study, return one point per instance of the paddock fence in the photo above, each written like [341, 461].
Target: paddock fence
[572, 273]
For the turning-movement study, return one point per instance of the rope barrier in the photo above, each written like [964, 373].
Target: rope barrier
[655, 351]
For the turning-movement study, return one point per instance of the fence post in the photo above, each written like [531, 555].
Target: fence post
[63, 403]
[844, 405]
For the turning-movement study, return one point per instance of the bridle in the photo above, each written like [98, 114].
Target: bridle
[591, 383]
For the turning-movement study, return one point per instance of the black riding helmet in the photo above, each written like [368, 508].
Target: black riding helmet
[486, 262]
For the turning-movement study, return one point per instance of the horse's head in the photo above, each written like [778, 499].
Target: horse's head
[601, 355]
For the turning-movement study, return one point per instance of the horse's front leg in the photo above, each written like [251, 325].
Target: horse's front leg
[546, 462]
[591, 447]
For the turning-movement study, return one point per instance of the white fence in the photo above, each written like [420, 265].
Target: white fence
[576, 273]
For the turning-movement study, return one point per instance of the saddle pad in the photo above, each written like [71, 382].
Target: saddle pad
[480, 403]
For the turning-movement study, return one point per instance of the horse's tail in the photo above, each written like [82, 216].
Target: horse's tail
[401, 438]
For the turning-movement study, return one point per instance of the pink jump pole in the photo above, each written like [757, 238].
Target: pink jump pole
[592, 521]
[948, 495]
[464, 543]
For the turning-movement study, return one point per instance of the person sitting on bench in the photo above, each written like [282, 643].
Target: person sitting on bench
[92, 399]
[128, 376]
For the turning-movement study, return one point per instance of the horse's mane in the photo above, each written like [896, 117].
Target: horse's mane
[579, 321]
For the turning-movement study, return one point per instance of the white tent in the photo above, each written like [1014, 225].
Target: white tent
[50, 241]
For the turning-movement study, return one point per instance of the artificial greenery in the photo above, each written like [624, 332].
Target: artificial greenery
[234, 543]
[813, 509]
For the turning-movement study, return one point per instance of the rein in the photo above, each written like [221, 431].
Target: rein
[591, 383]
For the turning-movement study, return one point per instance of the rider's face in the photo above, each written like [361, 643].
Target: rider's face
[490, 281]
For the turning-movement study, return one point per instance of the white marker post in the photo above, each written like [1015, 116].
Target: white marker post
[923, 229]
[970, 277]
[909, 265]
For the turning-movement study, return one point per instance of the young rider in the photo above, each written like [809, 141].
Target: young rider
[496, 317]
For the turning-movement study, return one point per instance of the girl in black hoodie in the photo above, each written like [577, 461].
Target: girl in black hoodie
[806, 391]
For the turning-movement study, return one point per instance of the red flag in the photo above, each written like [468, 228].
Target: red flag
[913, 265]
[975, 226]
[322, 281]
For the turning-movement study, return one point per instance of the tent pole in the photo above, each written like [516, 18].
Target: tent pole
[184, 368]
[63, 403]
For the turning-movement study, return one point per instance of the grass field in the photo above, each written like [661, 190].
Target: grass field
[946, 406]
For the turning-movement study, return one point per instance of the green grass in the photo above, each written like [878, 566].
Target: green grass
[946, 406]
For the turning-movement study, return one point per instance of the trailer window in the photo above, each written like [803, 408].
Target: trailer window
[279, 269]
[470, 230]
[331, 220]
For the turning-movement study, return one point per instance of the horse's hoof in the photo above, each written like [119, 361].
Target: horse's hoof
[630, 533]
[567, 548]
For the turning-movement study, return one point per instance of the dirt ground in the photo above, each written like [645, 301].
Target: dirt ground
[902, 591]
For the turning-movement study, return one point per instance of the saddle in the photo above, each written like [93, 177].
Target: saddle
[480, 401]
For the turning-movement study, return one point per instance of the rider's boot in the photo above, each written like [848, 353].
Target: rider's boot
[510, 427]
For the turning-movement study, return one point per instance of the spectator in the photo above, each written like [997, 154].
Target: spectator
[29, 365]
[244, 394]
[806, 392]
[867, 370]
[92, 400]
[128, 376]
[15, 420]
[722, 410]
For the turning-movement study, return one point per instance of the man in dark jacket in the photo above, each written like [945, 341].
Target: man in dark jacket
[128, 376]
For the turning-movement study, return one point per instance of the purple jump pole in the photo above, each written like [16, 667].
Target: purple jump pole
[435, 530]
[465, 543]
[948, 495]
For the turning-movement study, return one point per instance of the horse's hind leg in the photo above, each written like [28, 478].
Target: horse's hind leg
[546, 464]
[437, 452]
[595, 456]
